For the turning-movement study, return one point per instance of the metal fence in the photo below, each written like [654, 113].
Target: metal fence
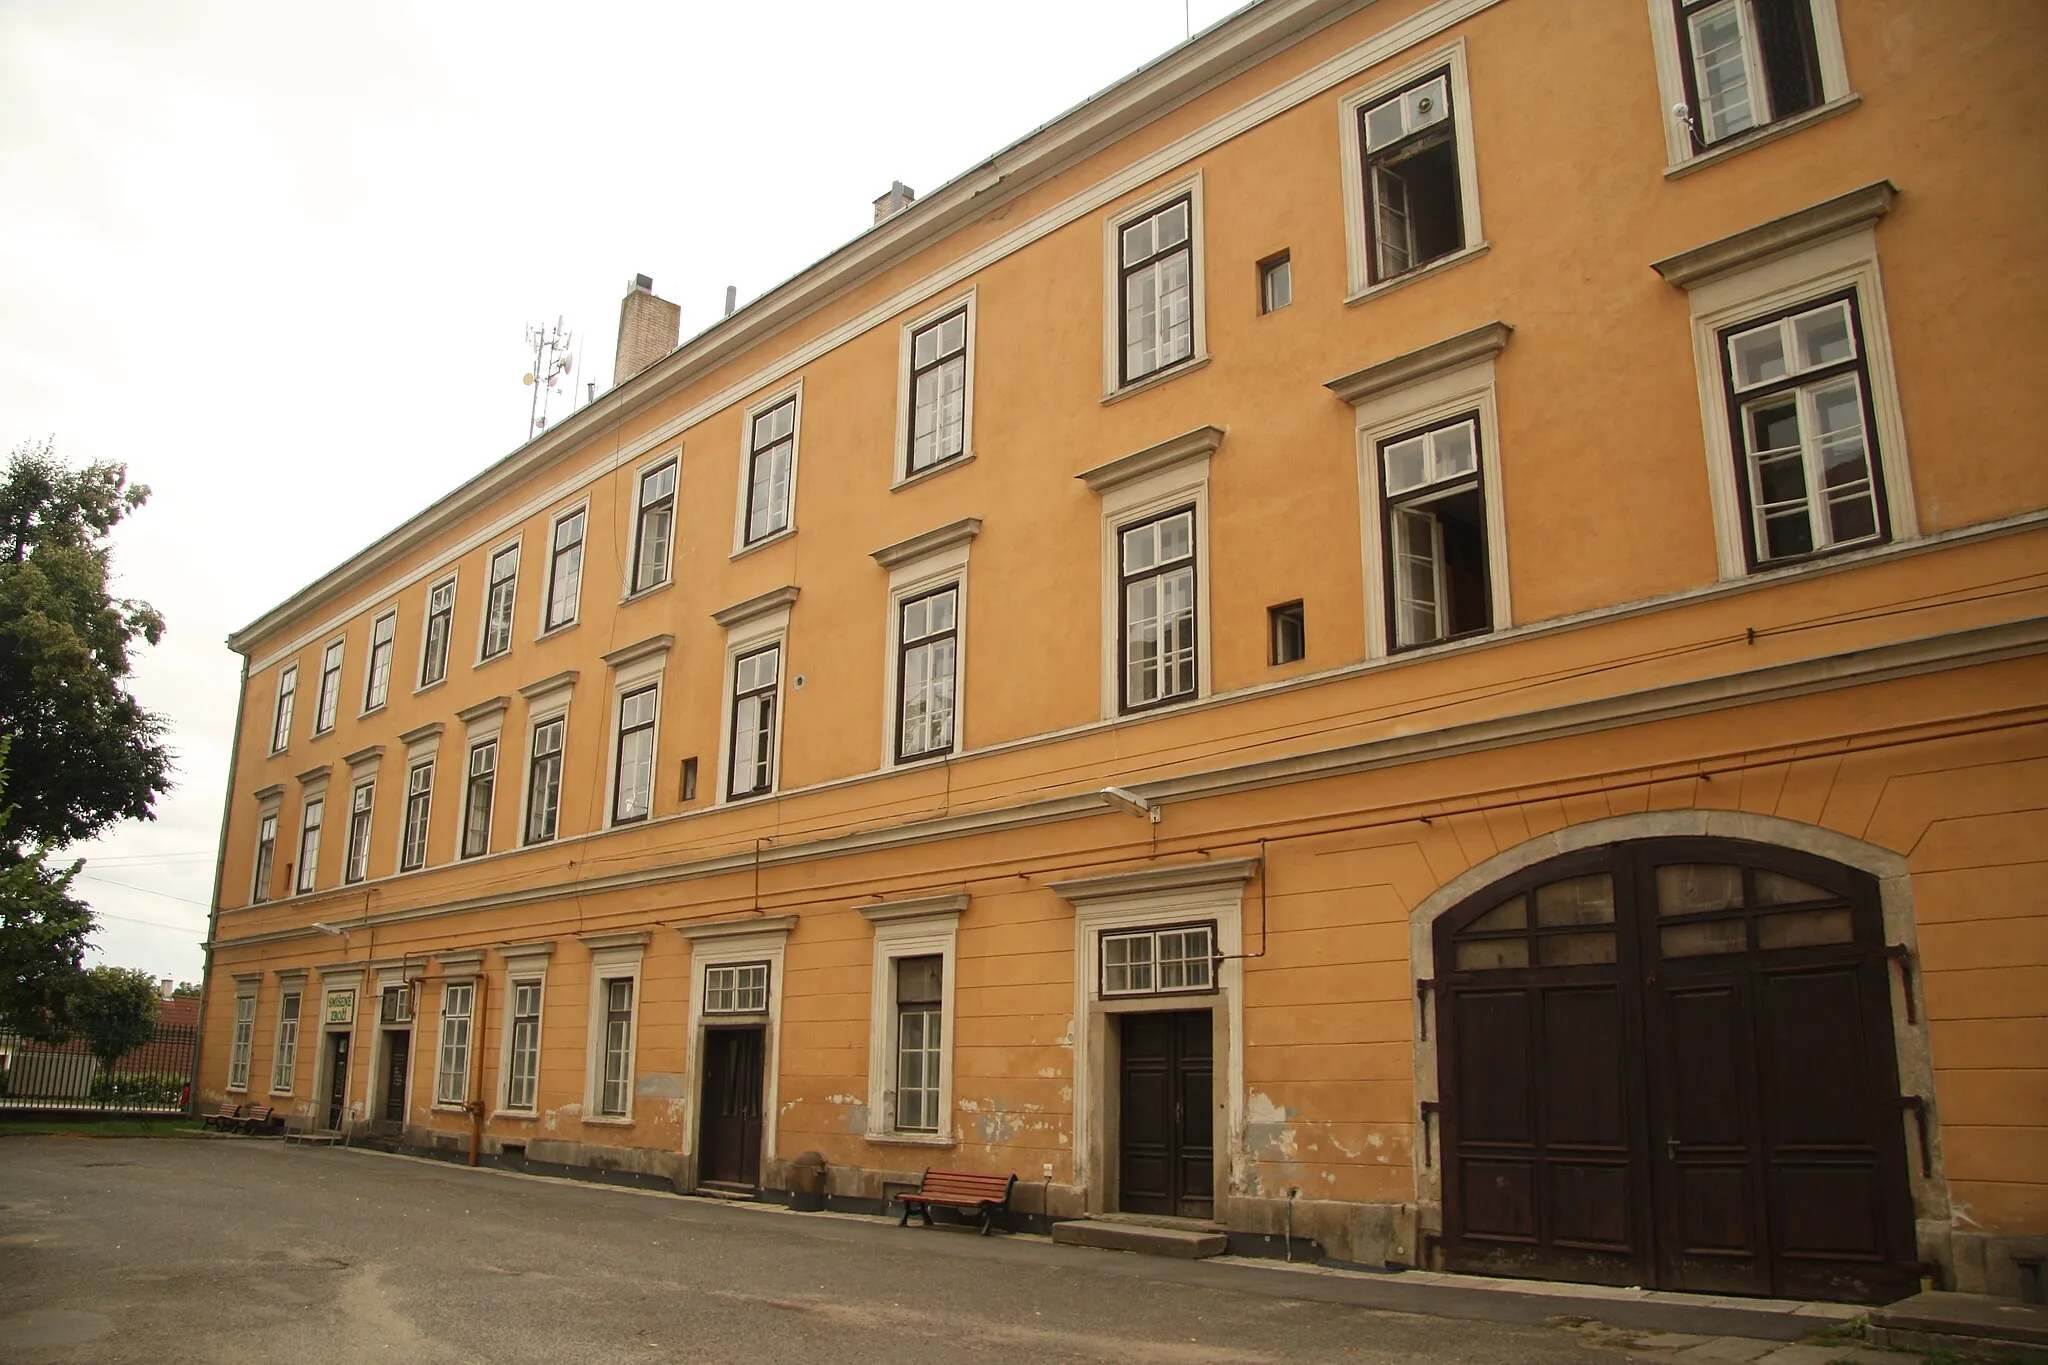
[155, 1078]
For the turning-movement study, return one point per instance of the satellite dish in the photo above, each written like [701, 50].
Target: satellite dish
[526, 378]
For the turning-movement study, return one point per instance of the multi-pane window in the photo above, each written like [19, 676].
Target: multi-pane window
[928, 662]
[309, 842]
[938, 391]
[330, 689]
[1159, 961]
[754, 680]
[771, 462]
[544, 781]
[440, 622]
[1435, 534]
[1156, 298]
[1799, 396]
[419, 801]
[476, 799]
[1287, 627]
[287, 1056]
[736, 988]
[1156, 589]
[357, 865]
[565, 570]
[1413, 209]
[498, 601]
[617, 1090]
[633, 769]
[377, 681]
[1745, 63]
[244, 1040]
[654, 527]
[451, 1080]
[266, 857]
[918, 1010]
[281, 718]
[1276, 283]
[394, 1005]
[522, 1073]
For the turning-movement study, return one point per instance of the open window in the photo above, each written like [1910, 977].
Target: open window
[1729, 70]
[1435, 534]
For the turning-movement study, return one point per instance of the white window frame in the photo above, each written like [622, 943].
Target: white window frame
[269, 808]
[545, 625]
[631, 588]
[542, 707]
[903, 474]
[1359, 284]
[1151, 932]
[325, 701]
[1113, 223]
[926, 927]
[284, 1056]
[794, 390]
[612, 960]
[282, 709]
[1438, 397]
[1183, 484]
[389, 616]
[739, 986]
[525, 964]
[442, 1018]
[242, 1044]
[450, 581]
[1811, 273]
[405, 827]
[1680, 154]
[942, 567]
[483, 634]
[758, 632]
[749, 940]
[629, 676]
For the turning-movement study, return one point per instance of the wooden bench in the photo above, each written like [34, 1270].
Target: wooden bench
[222, 1117]
[256, 1119]
[986, 1195]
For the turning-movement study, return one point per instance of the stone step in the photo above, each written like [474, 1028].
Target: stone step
[1183, 1243]
[1976, 1324]
[1158, 1220]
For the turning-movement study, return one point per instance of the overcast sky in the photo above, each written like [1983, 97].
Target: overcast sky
[281, 259]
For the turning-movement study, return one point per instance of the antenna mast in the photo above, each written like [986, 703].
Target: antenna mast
[552, 359]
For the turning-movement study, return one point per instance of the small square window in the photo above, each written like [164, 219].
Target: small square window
[741, 988]
[1288, 632]
[689, 792]
[1276, 283]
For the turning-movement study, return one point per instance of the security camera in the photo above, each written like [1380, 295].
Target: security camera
[1130, 801]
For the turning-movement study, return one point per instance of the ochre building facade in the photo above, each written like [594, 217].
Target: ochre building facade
[1420, 627]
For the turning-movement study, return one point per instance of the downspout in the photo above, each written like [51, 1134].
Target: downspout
[220, 867]
[479, 1015]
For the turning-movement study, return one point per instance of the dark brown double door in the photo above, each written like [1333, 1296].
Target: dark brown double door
[397, 1054]
[729, 1108]
[1671, 1063]
[1166, 1125]
[337, 1080]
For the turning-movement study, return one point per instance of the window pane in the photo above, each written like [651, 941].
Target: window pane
[1687, 888]
[1721, 70]
[1509, 914]
[1480, 955]
[1705, 938]
[1805, 928]
[1582, 900]
[1759, 356]
[1384, 123]
[1824, 336]
[1407, 464]
[1775, 888]
[1454, 451]
[1573, 950]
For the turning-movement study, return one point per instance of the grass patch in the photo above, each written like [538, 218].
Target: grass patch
[178, 1126]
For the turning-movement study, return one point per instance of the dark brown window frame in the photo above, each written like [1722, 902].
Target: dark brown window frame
[537, 760]
[433, 664]
[419, 810]
[917, 372]
[1438, 490]
[472, 846]
[493, 581]
[1153, 931]
[306, 876]
[643, 510]
[772, 692]
[619, 752]
[754, 456]
[384, 643]
[1739, 444]
[557, 553]
[281, 712]
[1275, 617]
[266, 858]
[1125, 706]
[327, 697]
[903, 648]
[360, 812]
[1368, 158]
[614, 1014]
[1126, 269]
[1280, 260]
[1682, 10]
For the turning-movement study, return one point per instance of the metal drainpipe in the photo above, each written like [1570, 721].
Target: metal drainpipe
[479, 1012]
[220, 867]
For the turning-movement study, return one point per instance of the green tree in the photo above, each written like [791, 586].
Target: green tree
[114, 1011]
[85, 753]
[43, 929]
[187, 990]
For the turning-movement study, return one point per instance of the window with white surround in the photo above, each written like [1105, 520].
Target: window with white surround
[286, 1057]
[434, 639]
[736, 988]
[477, 798]
[927, 667]
[266, 855]
[1435, 533]
[522, 1066]
[1729, 70]
[614, 1022]
[281, 716]
[937, 388]
[633, 761]
[419, 804]
[499, 600]
[1156, 292]
[768, 489]
[756, 697]
[911, 1018]
[1805, 443]
[544, 780]
[356, 865]
[615, 1093]
[377, 676]
[330, 688]
[920, 1037]
[244, 1039]
[451, 1072]
[311, 816]
[1180, 959]
[654, 525]
[565, 570]
[1157, 599]
[1410, 184]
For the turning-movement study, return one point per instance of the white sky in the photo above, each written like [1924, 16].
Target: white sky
[280, 259]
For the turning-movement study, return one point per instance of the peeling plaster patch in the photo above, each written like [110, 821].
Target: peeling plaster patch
[659, 1085]
[1066, 1040]
[1269, 1134]
[1001, 1122]
[857, 1118]
[1067, 1094]
[844, 1099]
[1048, 1073]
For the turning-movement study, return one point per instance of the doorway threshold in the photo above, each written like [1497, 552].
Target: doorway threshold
[730, 1193]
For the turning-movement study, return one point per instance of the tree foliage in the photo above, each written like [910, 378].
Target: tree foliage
[84, 752]
[114, 1010]
[43, 929]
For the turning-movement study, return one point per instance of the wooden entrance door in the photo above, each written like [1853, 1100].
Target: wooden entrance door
[729, 1108]
[397, 1055]
[1671, 1063]
[337, 1080]
[1166, 1127]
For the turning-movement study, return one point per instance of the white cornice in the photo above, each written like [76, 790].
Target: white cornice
[1481, 343]
[949, 906]
[737, 928]
[1739, 251]
[624, 938]
[523, 952]
[420, 734]
[558, 682]
[369, 753]
[928, 542]
[1222, 872]
[484, 710]
[1168, 454]
[638, 650]
[739, 613]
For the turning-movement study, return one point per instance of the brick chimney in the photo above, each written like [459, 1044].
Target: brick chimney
[899, 198]
[648, 329]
